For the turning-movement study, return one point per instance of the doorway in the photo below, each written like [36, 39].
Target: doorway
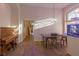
[27, 29]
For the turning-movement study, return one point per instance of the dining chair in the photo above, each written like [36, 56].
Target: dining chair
[59, 42]
[64, 39]
[54, 34]
[53, 41]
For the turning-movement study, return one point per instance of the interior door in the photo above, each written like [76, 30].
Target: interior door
[27, 28]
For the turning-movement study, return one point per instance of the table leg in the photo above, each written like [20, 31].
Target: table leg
[46, 43]
[66, 40]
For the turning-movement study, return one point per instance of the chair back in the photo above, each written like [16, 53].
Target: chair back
[54, 34]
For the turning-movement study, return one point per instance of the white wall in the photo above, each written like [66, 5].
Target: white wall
[35, 13]
[5, 15]
[73, 42]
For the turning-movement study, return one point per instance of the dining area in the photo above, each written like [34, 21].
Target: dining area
[54, 40]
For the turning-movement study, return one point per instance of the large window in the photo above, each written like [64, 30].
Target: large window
[72, 23]
[73, 15]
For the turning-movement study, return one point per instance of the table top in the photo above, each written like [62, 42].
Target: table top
[51, 37]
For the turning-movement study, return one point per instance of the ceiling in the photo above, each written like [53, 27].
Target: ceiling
[47, 5]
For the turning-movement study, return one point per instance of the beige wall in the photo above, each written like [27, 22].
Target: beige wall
[8, 15]
[73, 42]
[5, 15]
[73, 46]
[35, 13]
[14, 15]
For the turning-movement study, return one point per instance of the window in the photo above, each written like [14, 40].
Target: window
[73, 15]
[72, 23]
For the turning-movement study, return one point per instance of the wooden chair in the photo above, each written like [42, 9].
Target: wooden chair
[54, 39]
[64, 39]
[59, 42]
[54, 34]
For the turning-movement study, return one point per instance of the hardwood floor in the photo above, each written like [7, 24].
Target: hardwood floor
[35, 48]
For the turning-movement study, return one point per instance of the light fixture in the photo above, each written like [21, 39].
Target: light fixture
[43, 23]
[54, 11]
